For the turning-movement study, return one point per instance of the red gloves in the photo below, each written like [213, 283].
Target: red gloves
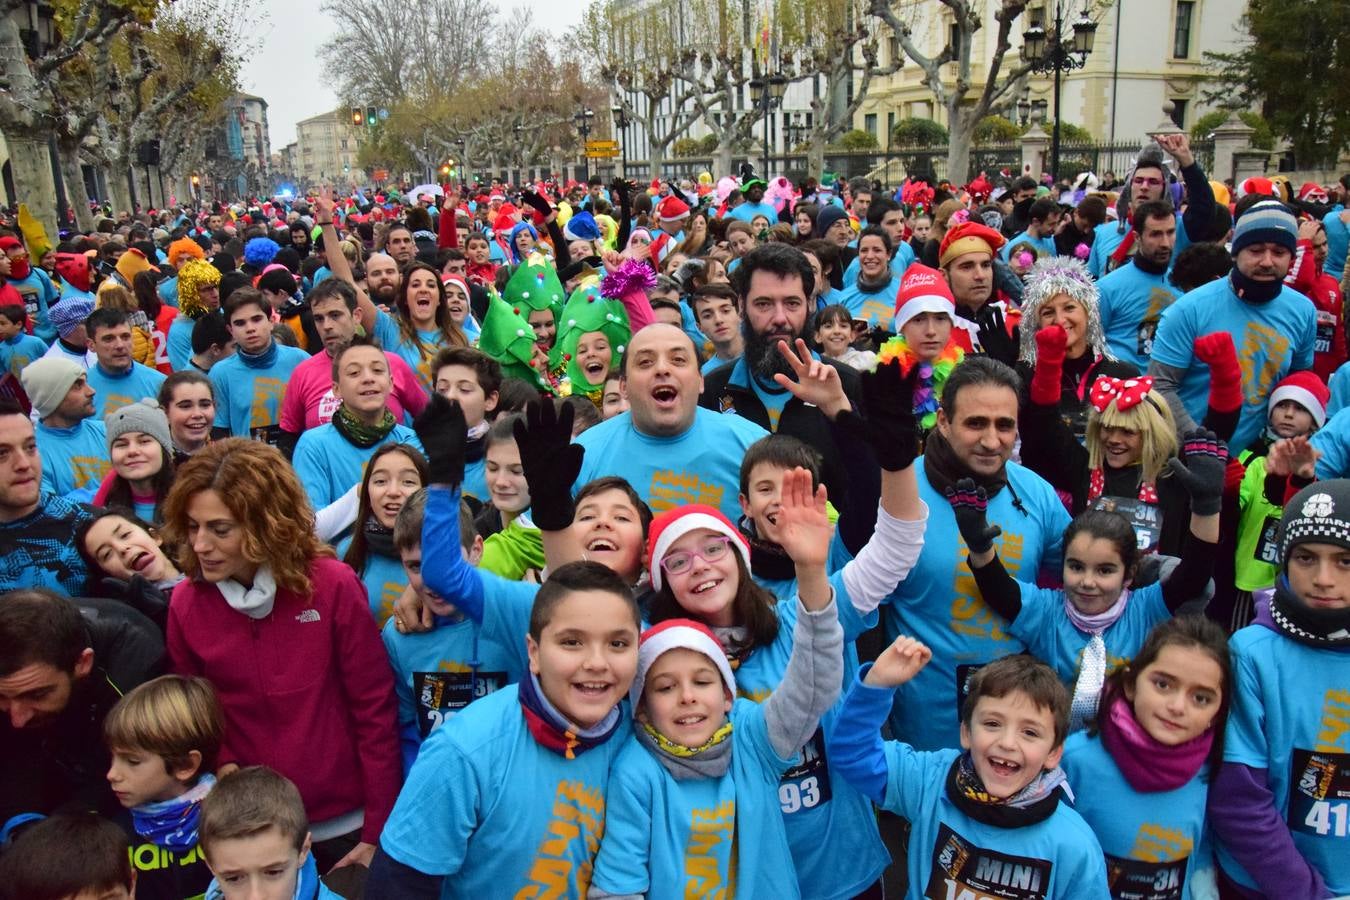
[1051, 342]
[1225, 375]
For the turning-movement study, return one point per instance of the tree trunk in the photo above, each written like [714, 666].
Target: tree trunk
[722, 160]
[75, 191]
[31, 163]
[656, 157]
[960, 134]
[815, 154]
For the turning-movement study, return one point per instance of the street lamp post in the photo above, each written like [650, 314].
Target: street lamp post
[1055, 53]
[766, 94]
[621, 124]
[583, 122]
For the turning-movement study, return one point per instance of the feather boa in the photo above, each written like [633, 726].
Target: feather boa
[932, 375]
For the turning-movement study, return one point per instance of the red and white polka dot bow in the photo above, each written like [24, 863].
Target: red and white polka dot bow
[1127, 392]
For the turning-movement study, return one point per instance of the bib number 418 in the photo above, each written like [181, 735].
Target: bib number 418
[1326, 818]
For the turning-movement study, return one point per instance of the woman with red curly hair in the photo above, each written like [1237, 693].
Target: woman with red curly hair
[284, 632]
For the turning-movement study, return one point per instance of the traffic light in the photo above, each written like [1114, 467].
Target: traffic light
[372, 118]
[357, 116]
[446, 170]
[196, 180]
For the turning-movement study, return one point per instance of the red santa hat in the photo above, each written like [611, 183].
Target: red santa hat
[672, 209]
[1312, 192]
[1305, 389]
[674, 524]
[679, 634]
[923, 290]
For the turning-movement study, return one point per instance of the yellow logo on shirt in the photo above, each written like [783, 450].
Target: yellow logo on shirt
[1154, 843]
[578, 814]
[266, 395]
[1335, 722]
[969, 614]
[1269, 346]
[708, 829]
[87, 470]
[670, 489]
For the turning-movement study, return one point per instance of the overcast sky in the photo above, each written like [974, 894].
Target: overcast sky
[288, 76]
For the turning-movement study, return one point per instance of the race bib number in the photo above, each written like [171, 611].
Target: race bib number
[1138, 879]
[962, 870]
[1268, 545]
[807, 784]
[963, 676]
[440, 695]
[1319, 794]
[267, 434]
[1326, 331]
[1143, 343]
[1144, 518]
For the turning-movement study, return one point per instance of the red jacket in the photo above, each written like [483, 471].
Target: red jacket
[307, 690]
[1306, 277]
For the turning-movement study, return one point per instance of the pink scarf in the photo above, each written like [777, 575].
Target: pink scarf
[1149, 767]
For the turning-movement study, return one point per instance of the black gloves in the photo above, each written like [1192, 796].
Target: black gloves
[890, 428]
[994, 337]
[1202, 473]
[551, 462]
[969, 504]
[443, 433]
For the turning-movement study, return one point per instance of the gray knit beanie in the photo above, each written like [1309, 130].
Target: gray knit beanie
[46, 381]
[144, 416]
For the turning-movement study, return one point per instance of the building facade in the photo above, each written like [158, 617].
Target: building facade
[326, 148]
[1147, 52]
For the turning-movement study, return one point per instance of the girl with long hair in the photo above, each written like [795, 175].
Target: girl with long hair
[393, 474]
[425, 325]
[141, 451]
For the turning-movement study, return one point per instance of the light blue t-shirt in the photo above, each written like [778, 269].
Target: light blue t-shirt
[1338, 242]
[1340, 390]
[702, 465]
[714, 363]
[701, 837]
[1272, 340]
[387, 332]
[114, 390]
[1045, 246]
[248, 397]
[1046, 630]
[74, 458]
[1291, 718]
[1333, 441]
[1155, 844]
[384, 578]
[1107, 236]
[180, 343]
[497, 813]
[475, 480]
[827, 818]
[747, 211]
[877, 308]
[19, 351]
[953, 855]
[901, 260]
[39, 295]
[940, 604]
[437, 673]
[1130, 302]
[168, 291]
[329, 465]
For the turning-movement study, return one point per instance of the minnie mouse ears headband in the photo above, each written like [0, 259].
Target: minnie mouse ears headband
[1126, 392]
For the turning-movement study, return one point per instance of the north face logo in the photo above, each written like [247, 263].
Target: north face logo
[308, 615]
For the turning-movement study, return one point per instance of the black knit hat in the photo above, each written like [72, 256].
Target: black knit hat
[1318, 514]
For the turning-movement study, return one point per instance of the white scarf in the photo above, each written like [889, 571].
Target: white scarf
[255, 602]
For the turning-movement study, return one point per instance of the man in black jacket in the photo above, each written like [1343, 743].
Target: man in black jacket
[773, 283]
[63, 665]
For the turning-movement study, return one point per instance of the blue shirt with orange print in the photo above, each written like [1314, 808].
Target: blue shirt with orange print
[249, 390]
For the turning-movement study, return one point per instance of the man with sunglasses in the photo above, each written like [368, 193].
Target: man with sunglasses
[1149, 181]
